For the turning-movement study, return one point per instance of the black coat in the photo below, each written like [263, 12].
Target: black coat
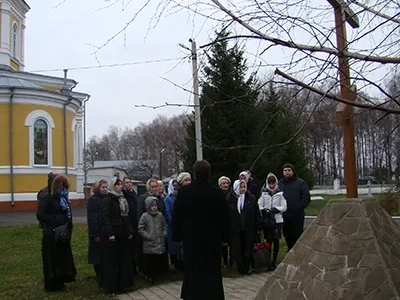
[58, 262]
[200, 220]
[253, 188]
[297, 195]
[252, 218]
[93, 219]
[117, 267]
[132, 199]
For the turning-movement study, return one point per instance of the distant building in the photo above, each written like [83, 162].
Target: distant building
[138, 169]
[106, 173]
[40, 121]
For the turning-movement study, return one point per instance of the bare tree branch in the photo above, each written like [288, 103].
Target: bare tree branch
[290, 44]
[375, 12]
[334, 97]
[124, 28]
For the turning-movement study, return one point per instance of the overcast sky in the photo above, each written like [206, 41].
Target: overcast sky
[63, 37]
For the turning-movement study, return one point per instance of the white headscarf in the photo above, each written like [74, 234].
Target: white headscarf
[123, 203]
[236, 190]
[171, 186]
[266, 182]
[245, 174]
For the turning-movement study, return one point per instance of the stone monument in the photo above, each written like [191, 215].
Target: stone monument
[350, 251]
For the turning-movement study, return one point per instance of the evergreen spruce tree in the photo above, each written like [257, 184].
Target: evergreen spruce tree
[279, 126]
[234, 114]
[228, 106]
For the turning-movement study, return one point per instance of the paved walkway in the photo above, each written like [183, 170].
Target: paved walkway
[242, 288]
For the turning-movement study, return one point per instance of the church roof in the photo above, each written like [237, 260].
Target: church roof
[9, 82]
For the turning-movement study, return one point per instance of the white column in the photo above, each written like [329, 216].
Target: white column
[5, 33]
[80, 178]
[22, 47]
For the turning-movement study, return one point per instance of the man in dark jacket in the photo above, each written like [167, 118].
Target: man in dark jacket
[132, 199]
[200, 220]
[297, 195]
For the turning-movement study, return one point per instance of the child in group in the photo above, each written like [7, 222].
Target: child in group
[153, 229]
[272, 204]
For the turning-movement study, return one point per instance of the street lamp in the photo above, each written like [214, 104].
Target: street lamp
[161, 152]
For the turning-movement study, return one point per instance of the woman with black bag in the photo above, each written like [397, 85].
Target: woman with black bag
[54, 212]
[272, 204]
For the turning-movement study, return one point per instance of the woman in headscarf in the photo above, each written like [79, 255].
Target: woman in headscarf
[152, 190]
[55, 212]
[184, 178]
[169, 204]
[272, 204]
[224, 184]
[245, 222]
[93, 219]
[116, 231]
[161, 189]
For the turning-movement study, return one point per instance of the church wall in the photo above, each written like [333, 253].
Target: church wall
[21, 134]
[30, 105]
[29, 178]
[30, 183]
[4, 134]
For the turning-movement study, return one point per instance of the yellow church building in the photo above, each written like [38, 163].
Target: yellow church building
[40, 121]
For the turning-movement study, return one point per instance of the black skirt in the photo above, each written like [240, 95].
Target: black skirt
[154, 264]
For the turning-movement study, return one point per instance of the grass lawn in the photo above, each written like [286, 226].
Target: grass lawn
[21, 267]
[316, 206]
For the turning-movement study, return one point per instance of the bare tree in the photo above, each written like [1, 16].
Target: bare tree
[143, 144]
[305, 32]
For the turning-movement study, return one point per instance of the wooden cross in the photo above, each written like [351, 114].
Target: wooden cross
[344, 112]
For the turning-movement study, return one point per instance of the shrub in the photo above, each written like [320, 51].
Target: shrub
[390, 201]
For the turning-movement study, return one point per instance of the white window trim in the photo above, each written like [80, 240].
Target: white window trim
[30, 120]
[76, 129]
[14, 47]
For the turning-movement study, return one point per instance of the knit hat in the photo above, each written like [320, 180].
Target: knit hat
[290, 166]
[223, 178]
[182, 176]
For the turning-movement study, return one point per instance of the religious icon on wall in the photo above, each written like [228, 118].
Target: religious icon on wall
[40, 142]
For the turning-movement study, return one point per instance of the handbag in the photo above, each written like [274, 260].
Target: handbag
[62, 233]
[261, 255]
[268, 220]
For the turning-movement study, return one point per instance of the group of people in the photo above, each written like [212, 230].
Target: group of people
[276, 209]
[192, 226]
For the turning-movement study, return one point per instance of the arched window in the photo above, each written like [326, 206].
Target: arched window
[40, 125]
[14, 40]
[41, 142]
